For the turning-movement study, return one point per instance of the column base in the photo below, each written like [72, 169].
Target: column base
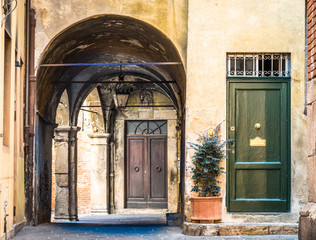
[100, 211]
[65, 219]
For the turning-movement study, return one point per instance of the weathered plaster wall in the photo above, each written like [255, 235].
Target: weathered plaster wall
[244, 26]
[169, 16]
[12, 155]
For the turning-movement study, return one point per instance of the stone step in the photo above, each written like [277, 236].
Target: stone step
[235, 229]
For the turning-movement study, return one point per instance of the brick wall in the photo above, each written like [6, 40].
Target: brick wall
[311, 97]
[84, 173]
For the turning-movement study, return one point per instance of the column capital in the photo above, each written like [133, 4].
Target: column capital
[65, 133]
[99, 138]
[99, 135]
[66, 129]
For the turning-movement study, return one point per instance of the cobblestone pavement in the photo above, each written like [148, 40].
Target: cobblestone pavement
[69, 231]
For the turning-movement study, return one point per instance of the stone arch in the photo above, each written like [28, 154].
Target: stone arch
[98, 39]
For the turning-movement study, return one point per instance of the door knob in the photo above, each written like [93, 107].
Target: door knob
[257, 126]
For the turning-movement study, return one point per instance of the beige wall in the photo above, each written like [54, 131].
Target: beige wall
[12, 156]
[203, 31]
[220, 27]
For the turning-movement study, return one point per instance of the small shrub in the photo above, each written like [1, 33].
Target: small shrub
[209, 153]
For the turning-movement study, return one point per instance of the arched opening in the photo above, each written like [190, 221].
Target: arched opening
[155, 93]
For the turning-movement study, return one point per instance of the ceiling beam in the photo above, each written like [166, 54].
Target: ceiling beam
[108, 64]
[120, 82]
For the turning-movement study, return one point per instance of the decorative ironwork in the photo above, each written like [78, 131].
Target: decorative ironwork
[147, 127]
[258, 65]
[146, 97]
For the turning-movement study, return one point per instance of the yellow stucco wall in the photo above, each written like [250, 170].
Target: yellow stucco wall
[12, 156]
[220, 27]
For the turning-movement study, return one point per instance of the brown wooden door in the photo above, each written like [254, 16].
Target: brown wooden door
[146, 172]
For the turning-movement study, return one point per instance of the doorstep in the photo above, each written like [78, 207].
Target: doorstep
[234, 229]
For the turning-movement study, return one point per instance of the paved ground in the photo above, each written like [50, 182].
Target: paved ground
[119, 226]
[97, 232]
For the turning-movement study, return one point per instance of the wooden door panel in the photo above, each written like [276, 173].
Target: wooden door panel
[258, 162]
[135, 168]
[158, 168]
[146, 172]
[258, 184]
[258, 106]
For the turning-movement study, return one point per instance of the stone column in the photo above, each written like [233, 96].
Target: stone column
[100, 173]
[72, 158]
[66, 173]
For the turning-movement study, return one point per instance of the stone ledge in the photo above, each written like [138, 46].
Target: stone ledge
[231, 229]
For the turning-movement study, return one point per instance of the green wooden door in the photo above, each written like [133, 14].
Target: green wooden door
[259, 161]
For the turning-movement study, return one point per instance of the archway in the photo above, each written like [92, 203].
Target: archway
[119, 40]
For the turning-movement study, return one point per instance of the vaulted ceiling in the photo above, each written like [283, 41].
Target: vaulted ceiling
[106, 39]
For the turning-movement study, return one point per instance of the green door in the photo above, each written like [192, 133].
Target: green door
[259, 159]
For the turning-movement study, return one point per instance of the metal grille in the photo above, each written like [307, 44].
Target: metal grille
[258, 65]
[146, 127]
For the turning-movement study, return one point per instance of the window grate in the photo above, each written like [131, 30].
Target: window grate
[258, 65]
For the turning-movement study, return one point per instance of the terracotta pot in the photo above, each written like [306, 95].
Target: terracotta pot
[206, 208]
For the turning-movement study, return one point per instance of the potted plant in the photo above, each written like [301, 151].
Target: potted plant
[209, 153]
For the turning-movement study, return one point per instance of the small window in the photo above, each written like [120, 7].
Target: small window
[258, 65]
[146, 127]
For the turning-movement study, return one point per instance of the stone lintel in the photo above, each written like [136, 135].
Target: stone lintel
[230, 229]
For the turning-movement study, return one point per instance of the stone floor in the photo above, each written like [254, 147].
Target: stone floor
[97, 227]
[69, 231]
